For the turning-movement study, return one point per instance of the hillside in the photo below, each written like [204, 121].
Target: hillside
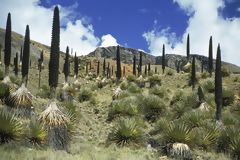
[110, 53]
[150, 117]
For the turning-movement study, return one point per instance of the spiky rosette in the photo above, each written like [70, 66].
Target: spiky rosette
[10, 127]
[52, 116]
[116, 93]
[56, 124]
[140, 81]
[21, 98]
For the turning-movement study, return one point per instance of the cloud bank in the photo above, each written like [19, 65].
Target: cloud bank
[205, 20]
[75, 33]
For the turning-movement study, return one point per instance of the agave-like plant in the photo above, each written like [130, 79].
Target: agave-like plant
[152, 107]
[178, 133]
[56, 124]
[127, 132]
[235, 146]
[37, 134]
[21, 99]
[123, 107]
[10, 127]
[208, 135]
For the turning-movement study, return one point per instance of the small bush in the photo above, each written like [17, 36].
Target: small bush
[1, 75]
[123, 107]
[205, 75]
[193, 118]
[133, 88]
[131, 78]
[227, 96]
[209, 86]
[152, 107]
[10, 127]
[225, 72]
[155, 80]
[126, 132]
[44, 92]
[159, 91]
[178, 132]
[4, 90]
[170, 72]
[85, 95]
[207, 135]
[37, 134]
[124, 85]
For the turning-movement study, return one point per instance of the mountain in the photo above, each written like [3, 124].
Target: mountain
[107, 52]
[171, 59]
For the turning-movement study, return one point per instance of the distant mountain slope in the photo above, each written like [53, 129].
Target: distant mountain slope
[171, 59]
[107, 52]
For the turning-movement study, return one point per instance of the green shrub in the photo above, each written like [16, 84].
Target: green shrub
[178, 133]
[160, 126]
[227, 96]
[235, 145]
[133, 88]
[170, 72]
[126, 132]
[159, 91]
[209, 86]
[178, 96]
[205, 75]
[155, 80]
[225, 72]
[85, 94]
[124, 85]
[193, 118]
[10, 127]
[4, 90]
[208, 136]
[131, 78]
[15, 80]
[71, 108]
[123, 107]
[43, 92]
[1, 75]
[37, 134]
[152, 107]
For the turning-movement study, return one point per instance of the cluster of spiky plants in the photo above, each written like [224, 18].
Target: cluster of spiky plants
[37, 134]
[85, 94]
[152, 107]
[123, 107]
[127, 132]
[56, 124]
[10, 127]
[155, 80]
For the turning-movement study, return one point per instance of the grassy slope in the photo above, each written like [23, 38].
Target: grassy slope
[92, 129]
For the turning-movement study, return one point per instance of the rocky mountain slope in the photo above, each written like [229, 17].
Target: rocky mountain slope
[109, 52]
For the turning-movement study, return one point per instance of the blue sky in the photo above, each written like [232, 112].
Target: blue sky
[127, 20]
[139, 24]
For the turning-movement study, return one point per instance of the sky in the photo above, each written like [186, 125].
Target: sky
[140, 24]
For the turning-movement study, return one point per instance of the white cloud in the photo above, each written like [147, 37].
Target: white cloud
[77, 34]
[108, 40]
[205, 20]
[238, 9]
